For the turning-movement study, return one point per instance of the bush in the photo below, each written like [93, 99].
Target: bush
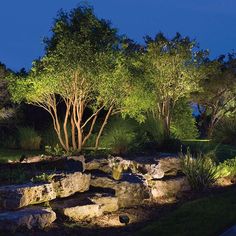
[227, 168]
[29, 138]
[200, 171]
[183, 124]
[153, 127]
[49, 137]
[225, 132]
[120, 136]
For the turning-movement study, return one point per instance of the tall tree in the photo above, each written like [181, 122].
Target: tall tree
[217, 99]
[84, 69]
[173, 71]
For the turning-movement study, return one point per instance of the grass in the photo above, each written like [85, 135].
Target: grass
[207, 217]
[222, 151]
[15, 154]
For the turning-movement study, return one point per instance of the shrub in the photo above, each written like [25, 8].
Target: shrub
[29, 138]
[227, 168]
[200, 171]
[183, 124]
[225, 132]
[154, 130]
[49, 137]
[120, 136]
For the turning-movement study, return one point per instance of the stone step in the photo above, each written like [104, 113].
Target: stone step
[130, 190]
[169, 187]
[33, 217]
[85, 206]
[62, 185]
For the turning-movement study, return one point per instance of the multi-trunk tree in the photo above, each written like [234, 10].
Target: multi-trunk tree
[173, 70]
[85, 69]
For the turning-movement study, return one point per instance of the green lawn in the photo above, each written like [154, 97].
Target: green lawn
[15, 154]
[209, 216]
[222, 151]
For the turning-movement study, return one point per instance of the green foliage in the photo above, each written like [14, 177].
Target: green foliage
[44, 177]
[56, 150]
[227, 168]
[49, 137]
[29, 138]
[120, 136]
[200, 171]
[183, 124]
[225, 132]
[153, 127]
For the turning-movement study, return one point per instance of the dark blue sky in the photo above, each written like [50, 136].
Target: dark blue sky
[24, 23]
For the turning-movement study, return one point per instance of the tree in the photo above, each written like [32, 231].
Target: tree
[6, 108]
[84, 69]
[217, 99]
[173, 72]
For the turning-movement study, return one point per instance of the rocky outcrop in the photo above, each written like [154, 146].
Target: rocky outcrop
[130, 191]
[107, 202]
[17, 196]
[34, 217]
[77, 208]
[98, 164]
[169, 187]
[67, 184]
[62, 185]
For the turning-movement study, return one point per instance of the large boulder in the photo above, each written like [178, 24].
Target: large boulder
[98, 164]
[77, 208]
[130, 190]
[62, 185]
[67, 184]
[107, 202]
[171, 187]
[34, 217]
[17, 196]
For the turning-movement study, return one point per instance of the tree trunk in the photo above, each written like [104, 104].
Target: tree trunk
[102, 127]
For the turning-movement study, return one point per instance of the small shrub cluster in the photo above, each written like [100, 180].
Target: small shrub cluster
[29, 138]
[225, 132]
[227, 168]
[200, 170]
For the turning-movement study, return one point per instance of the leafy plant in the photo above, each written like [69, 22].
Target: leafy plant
[225, 132]
[120, 136]
[183, 124]
[44, 177]
[29, 138]
[200, 170]
[227, 168]
[54, 151]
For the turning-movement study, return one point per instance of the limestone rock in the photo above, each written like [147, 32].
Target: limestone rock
[130, 191]
[62, 185]
[169, 188]
[99, 164]
[34, 217]
[70, 183]
[78, 208]
[17, 196]
[107, 202]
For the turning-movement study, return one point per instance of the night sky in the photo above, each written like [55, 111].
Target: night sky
[24, 23]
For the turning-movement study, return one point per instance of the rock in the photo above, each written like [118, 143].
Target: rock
[17, 196]
[169, 165]
[169, 188]
[67, 184]
[62, 185]
[130, 190]
[99, 164]
[224, 181]
[107, 202]
[34, 217]
[78, 209]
